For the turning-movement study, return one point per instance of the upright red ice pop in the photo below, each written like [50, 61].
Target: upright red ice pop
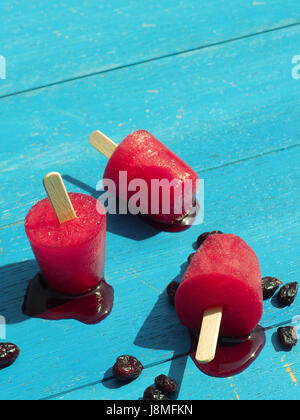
[142, 156]
[67, 235]
[220, 291]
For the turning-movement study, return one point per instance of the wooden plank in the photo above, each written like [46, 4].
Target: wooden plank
[48, 42]
[256, 383]
[230, 103]
[262, 207]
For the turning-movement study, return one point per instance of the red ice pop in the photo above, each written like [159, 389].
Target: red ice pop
[70, 252]
[223, 280]
[144, 157]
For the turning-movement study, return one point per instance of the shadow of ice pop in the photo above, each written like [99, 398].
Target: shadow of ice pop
[163, 331]
[126, 225]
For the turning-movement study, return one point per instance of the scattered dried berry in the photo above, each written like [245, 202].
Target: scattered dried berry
[127, 368]
[190, 257]
[206, 235]
[166, 385]
[154, 394]
[8, 354]
[288, 336]
[288, 293]
[270, 286]
[171, 290]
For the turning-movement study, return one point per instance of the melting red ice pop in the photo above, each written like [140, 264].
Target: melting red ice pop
[221, 291]
[67, 235]
[144, 157]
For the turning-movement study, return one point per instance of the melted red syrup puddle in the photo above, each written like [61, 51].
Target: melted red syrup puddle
[233, 356]
[179, 226]
[43, 302]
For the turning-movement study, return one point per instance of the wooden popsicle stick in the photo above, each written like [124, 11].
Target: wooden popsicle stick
[209, 335]
[59, 197]
[102, 143]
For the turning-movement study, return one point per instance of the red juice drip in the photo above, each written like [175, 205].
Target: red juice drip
[185, 223]
[233, 356]
[43, 302]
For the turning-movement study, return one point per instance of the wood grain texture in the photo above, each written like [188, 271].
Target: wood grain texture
[234, 103]
[274, 375]
[259, 210]
[230, 103]
[47, 42]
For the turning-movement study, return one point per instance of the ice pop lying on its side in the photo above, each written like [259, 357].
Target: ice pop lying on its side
[144, 157]
[67, 234]
[220, 291]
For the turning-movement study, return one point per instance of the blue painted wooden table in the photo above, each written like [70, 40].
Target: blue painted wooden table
[218, 82]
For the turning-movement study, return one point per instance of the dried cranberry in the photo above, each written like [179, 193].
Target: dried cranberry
[127, 368]
[190, 257]
[171, 290]
[165, 384]
[288, 336]
[288, 293]
[154, 394]
[206, 235]
[270, 286]
[8, 354]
